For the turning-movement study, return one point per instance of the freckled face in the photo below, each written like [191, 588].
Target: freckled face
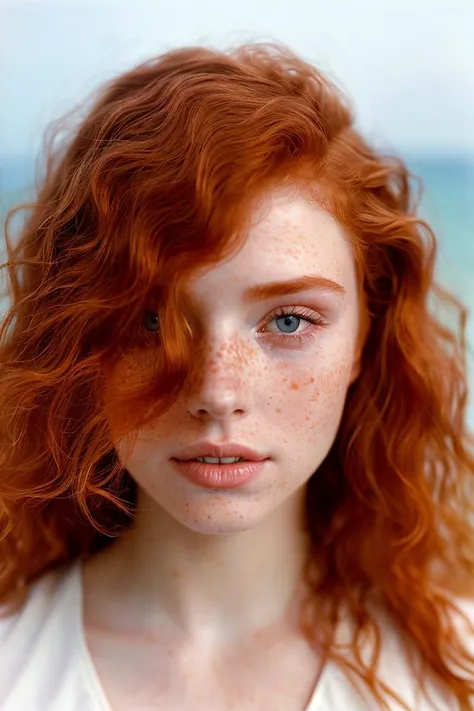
[273, 373]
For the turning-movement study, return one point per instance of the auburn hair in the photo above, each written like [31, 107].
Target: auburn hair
[157, 181]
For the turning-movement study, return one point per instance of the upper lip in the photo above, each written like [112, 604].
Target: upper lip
[206, 449]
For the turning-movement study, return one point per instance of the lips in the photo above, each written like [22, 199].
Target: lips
[222, 477]
[208, 449]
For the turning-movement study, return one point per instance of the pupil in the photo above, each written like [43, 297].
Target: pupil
[289, 323]
[150, 321]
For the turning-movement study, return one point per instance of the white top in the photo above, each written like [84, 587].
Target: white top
[46, 666]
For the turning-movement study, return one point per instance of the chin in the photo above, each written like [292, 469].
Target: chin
[220, 515]
[218, 528]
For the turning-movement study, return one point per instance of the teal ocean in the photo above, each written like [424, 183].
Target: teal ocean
[447, 204]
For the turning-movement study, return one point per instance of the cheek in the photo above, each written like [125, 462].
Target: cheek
[326, 400]
[311, 398]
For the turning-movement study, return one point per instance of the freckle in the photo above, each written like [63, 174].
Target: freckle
[278, 410]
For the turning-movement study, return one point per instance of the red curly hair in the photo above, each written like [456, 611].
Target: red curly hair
[155, 183]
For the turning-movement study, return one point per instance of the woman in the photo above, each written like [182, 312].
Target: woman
[235, 470]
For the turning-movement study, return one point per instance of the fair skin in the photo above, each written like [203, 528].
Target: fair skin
[209, 579]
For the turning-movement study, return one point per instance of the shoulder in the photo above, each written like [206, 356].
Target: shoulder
[463, 624]
[40, 602]
[36, 634]
[399, 665]
[464, 614]
[402, 664]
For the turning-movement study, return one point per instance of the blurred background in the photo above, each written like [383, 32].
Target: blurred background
[408, 66]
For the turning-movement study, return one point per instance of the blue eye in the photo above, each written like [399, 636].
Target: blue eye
[151, 321]
[288, 323]
[294, 321]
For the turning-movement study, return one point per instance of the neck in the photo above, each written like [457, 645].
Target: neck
[236, 583]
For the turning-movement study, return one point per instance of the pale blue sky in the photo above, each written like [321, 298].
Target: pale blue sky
[408, 64]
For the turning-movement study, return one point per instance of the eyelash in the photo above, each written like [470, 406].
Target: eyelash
[305, 314]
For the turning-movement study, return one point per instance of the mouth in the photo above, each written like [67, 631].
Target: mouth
[220, 466]
[219, 460]
[220, 473]
[225, 454]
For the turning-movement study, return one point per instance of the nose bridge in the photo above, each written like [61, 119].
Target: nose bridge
[221, 382]
[220, 362]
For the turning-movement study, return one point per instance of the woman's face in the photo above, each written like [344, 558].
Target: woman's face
[272, 375]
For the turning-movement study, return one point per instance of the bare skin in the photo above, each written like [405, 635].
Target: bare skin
[230, 641]
[209, 580]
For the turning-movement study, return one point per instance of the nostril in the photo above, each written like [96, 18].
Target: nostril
[218, 400]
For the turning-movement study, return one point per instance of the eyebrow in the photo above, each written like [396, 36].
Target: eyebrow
[262, 292]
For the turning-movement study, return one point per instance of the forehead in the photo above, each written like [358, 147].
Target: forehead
[288, 236]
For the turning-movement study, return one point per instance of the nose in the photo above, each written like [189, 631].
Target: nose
[221, 385]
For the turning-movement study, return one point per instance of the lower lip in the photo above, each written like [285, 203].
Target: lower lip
[219, 476]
